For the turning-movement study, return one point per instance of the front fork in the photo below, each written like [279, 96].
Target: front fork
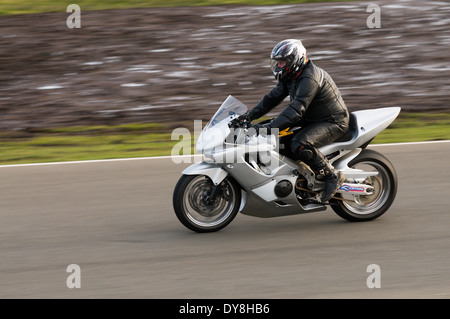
[217, 174]
[209, 197]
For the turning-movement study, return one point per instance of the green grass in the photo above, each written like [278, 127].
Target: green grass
[27, 6]
[89, 142]
[154, 139]
[416, 127]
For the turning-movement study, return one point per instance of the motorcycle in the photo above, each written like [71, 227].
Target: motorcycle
[255, 174]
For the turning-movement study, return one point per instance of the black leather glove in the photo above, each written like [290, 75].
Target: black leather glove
[262, 129]
[239, 121]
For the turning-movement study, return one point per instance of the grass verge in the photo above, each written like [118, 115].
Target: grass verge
[154, 139]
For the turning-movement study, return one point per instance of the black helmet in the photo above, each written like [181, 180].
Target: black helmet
[294, 53]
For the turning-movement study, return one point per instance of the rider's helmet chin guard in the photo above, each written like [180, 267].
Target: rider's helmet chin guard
[294, 53]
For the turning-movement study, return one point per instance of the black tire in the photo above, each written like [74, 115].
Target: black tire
[198, 216]
[366, 208]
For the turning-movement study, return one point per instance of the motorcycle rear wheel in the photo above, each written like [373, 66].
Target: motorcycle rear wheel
[193, 209]
[369, 207]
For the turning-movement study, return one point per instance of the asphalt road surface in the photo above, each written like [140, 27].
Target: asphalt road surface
[115, 220]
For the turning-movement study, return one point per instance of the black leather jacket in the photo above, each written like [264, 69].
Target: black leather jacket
[314, 98]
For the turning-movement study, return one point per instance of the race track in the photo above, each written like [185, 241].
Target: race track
[115, 220]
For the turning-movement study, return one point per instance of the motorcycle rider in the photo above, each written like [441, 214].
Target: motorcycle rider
[316, 105]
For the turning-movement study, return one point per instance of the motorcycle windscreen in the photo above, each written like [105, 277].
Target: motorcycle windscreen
[231, 106]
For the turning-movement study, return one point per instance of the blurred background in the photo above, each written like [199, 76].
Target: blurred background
[118, 86]
[135, 66]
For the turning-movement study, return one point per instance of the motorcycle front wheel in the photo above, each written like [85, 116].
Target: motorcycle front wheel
[358, 208]
[203, 207]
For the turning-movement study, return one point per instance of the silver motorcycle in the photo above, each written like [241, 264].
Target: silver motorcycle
[255, 174]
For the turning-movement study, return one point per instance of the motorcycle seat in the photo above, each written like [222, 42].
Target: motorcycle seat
[348, 135]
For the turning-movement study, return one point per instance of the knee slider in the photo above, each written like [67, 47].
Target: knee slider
[305, 153]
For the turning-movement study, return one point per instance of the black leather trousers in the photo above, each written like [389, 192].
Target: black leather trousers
[305, 143]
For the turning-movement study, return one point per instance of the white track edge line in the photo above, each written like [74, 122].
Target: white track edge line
[183, 156]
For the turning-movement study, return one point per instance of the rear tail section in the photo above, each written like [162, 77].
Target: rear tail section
[364, 126]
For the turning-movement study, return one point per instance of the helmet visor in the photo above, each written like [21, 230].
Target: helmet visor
[277, 65]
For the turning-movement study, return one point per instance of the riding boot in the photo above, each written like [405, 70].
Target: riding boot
[333, 179]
